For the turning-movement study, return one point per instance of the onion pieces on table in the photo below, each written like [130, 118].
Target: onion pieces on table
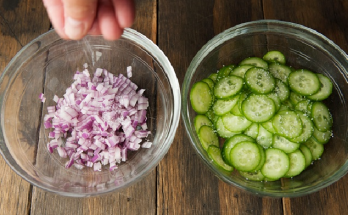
[98, 120]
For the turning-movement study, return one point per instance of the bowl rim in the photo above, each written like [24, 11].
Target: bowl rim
[203, 52]
[152, 49]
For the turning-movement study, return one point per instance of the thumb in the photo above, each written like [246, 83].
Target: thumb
[79, 16]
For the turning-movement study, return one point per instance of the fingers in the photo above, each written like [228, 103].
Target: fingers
[108, 24]
[125, 12]
[79, 16]
[55, 12]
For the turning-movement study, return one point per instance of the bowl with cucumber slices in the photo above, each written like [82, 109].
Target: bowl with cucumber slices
[264, 105]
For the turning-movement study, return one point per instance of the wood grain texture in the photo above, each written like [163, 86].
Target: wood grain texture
[185, 185]
[15, 31]
[330, 19]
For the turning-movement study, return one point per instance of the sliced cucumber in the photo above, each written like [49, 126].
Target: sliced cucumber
[277, 164]
[274, 56]
[264, 138]
[245, 156]
[201, 97]
[255, 61]
[287, 123]
[284, 144]
[208, 137]
[296, 98]
[213, 77]
[303, 106]
[222, 130]
[259, 80]
[321, 115]
[240, 70]
[215, 154]
[281, 90]
[225, 71]
[252, 176]
[235, 123]
[263, 157]
[276, 100]
[237, 110]
[258, 108]
[304, 82]
[269, 126]
[307, 129]
[201, 120]
[307, 154]
[325, 89]
[322, 136]
[230, 143]
[209, 82]
[223, 106]
[315, 147]
[228, 86]
[252, 130]
[280, 71]
[210, 114]
[297, 164]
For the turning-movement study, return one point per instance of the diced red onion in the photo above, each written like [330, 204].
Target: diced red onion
[101, 119]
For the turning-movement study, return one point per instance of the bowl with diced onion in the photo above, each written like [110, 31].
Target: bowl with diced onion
[264, 106]
[83, 118]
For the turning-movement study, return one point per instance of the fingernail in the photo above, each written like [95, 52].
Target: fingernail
[74, 29]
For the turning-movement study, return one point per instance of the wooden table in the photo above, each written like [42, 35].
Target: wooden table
[180, 184]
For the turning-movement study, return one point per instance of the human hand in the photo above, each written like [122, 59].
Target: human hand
[73, 19]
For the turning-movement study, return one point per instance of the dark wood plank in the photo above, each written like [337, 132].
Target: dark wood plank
[328, 18]
[137, 199]
[15, 31]
[185, 185]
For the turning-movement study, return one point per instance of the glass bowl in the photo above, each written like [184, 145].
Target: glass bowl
[303, 48]
[47, 65]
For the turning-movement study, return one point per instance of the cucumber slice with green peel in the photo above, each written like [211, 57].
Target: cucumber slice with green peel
[322, 136]
[303, 106]
[237, 110]
[274, 56]
[325, 89]
[228, 86]
[252, 130]
[222, 130]
[214, 153]
[307, 129]
[263, 158]
[235, 123]
[280, 72]
[241, 70]
[245, 156]
[201, 97]
[269, 126]
[287, 105]
[287, 123]
[254, 61]
[252, 176]
[297, 164]
[230, 143]
[307, 154]
[209, 82]
[304, 82]
[264, 138]
[315, 147]
[321, 115]
[277, 164]
[225, 71]
[296, 98]
[275, 99]
[223, 106]
[281, 90]
[284, 144]
[207, 137]
[258, 108]
[213, 77]
[210, 114]
[201, 120]
[259, 80]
